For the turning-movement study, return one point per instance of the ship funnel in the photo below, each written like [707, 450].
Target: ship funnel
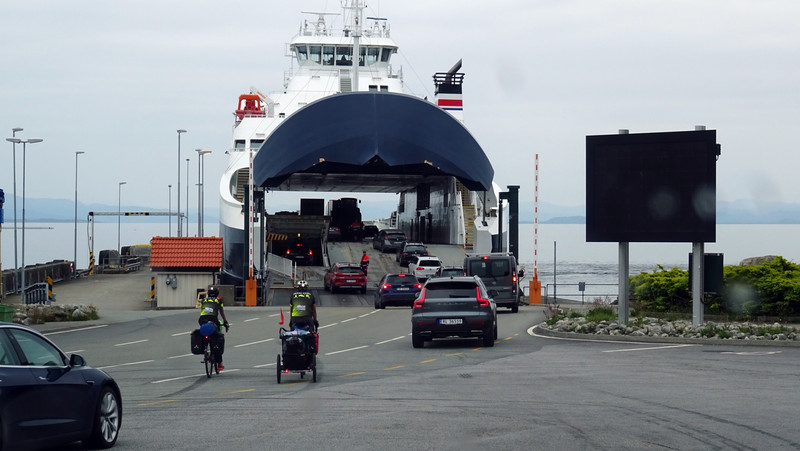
[448, 91]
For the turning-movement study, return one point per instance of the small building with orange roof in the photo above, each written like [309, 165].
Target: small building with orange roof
[184, 267]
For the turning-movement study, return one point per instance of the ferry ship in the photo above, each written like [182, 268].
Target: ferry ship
[343, 122]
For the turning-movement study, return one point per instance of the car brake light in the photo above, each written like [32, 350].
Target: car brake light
[481, 301]
[514, 278]
[418, 286]
[421, 300]
[420, 268]
[310, 252]
[288, 252]
[401, 275]
[386, 286]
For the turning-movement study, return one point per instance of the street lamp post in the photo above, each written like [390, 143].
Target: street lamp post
[170, 209]
[119, 214]
[180, 222]
[75, 239]
[14, 162]
[24, 143]
[200, 176]
[187, 197]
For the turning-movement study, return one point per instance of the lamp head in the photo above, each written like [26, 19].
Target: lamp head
[14, 140]
[33, 140]
[16, 129]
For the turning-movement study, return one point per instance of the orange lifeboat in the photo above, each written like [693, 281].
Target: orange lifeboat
[249, 106]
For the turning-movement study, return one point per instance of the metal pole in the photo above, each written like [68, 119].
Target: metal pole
[75, 239]
[22, 263]
[180, 222]
[119, 214]
[14, 144]
[187, 197]
[200, 188]
[170, 210]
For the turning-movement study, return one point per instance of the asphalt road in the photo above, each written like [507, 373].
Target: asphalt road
[375, 391]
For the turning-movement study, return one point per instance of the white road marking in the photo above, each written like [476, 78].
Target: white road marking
[131, 343]
[751, 352]
[190, 376]
[649, 348]
[251, 319]
[349, 319]
[76, 330]
[391, 339]
[253, 343]
[346, 350]
[124, 364]
[265, 365]
[328, 325]
[179, 356]
[181, 333]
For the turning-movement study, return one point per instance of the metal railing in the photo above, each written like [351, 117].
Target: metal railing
[580, 292]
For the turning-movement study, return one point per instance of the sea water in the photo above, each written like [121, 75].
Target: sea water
[560, 253]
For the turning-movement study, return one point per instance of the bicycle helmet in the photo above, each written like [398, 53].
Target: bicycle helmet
[213, 292]
[302, 285]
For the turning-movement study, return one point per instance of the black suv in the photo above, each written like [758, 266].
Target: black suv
[408, 251]
[454, 307]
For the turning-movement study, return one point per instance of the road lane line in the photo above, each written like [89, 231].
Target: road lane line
[454, 354]
[252, 319]
[253, 343]
[391, 339]
[428, 361]
[349, 319]
[182, 355]
[365, 314]
[393, 367]
[76, 330]
[346, 350]
[188, 377]
[181, 333]
[124, 364]
[265, 365]
[239, 391]
[131, 343]
[328, 325]
[152, 403]
[352, 374]
[649, 348]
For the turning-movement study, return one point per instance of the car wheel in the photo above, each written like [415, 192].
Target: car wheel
[107, 419]
[416, 340]
[488, 339]
[515, 307]
[333, 288]
[495, 331]
[364, 289]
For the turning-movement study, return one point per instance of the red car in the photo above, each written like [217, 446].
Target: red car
[345, 275]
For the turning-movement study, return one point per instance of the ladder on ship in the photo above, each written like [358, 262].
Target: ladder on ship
[469, 216]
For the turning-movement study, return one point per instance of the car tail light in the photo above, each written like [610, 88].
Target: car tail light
[418, 286]
[482, 302]
[418, 303]
[288, 252]
[514, 278]
[310, 252]
[420, 268]
[385, 286]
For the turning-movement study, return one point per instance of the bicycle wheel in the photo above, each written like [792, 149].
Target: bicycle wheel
[278, 366]
[208, 361]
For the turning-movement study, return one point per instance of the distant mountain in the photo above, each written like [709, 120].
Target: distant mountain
[63, 210]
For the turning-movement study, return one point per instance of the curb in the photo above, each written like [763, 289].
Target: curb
[544, 332]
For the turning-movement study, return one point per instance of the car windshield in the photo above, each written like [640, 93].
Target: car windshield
[451, 289]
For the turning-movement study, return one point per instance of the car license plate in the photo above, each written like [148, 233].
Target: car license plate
[351, 280]
[402, 289]
[450, 321]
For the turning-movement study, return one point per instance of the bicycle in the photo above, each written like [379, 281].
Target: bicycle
[210, 358]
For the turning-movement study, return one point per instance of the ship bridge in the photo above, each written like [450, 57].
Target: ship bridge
[377, 142]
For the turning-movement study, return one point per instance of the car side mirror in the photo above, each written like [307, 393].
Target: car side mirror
[76, 360]
[521, 273]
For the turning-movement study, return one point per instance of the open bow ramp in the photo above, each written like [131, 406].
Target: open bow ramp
[369, 142]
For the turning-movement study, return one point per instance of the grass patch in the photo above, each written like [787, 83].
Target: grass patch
[599, 314]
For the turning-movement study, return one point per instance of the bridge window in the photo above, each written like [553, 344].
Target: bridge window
[315, 53]
[302, 52]
[373, 54]
[344, 56]
[328, 52]
[386, 54]
[239, 145]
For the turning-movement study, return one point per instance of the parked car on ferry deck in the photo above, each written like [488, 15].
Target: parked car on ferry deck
[408, 251]
[345, 275]
[389, 240]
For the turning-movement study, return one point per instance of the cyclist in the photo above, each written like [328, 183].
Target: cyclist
[210, 310]
[303, 308]
[364, 262]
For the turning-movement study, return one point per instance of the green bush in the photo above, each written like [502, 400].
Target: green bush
[771, 288]
[598, 314]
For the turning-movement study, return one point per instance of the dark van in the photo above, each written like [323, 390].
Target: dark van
[499, 272]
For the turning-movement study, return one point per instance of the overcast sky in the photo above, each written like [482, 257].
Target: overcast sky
[116, 79]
